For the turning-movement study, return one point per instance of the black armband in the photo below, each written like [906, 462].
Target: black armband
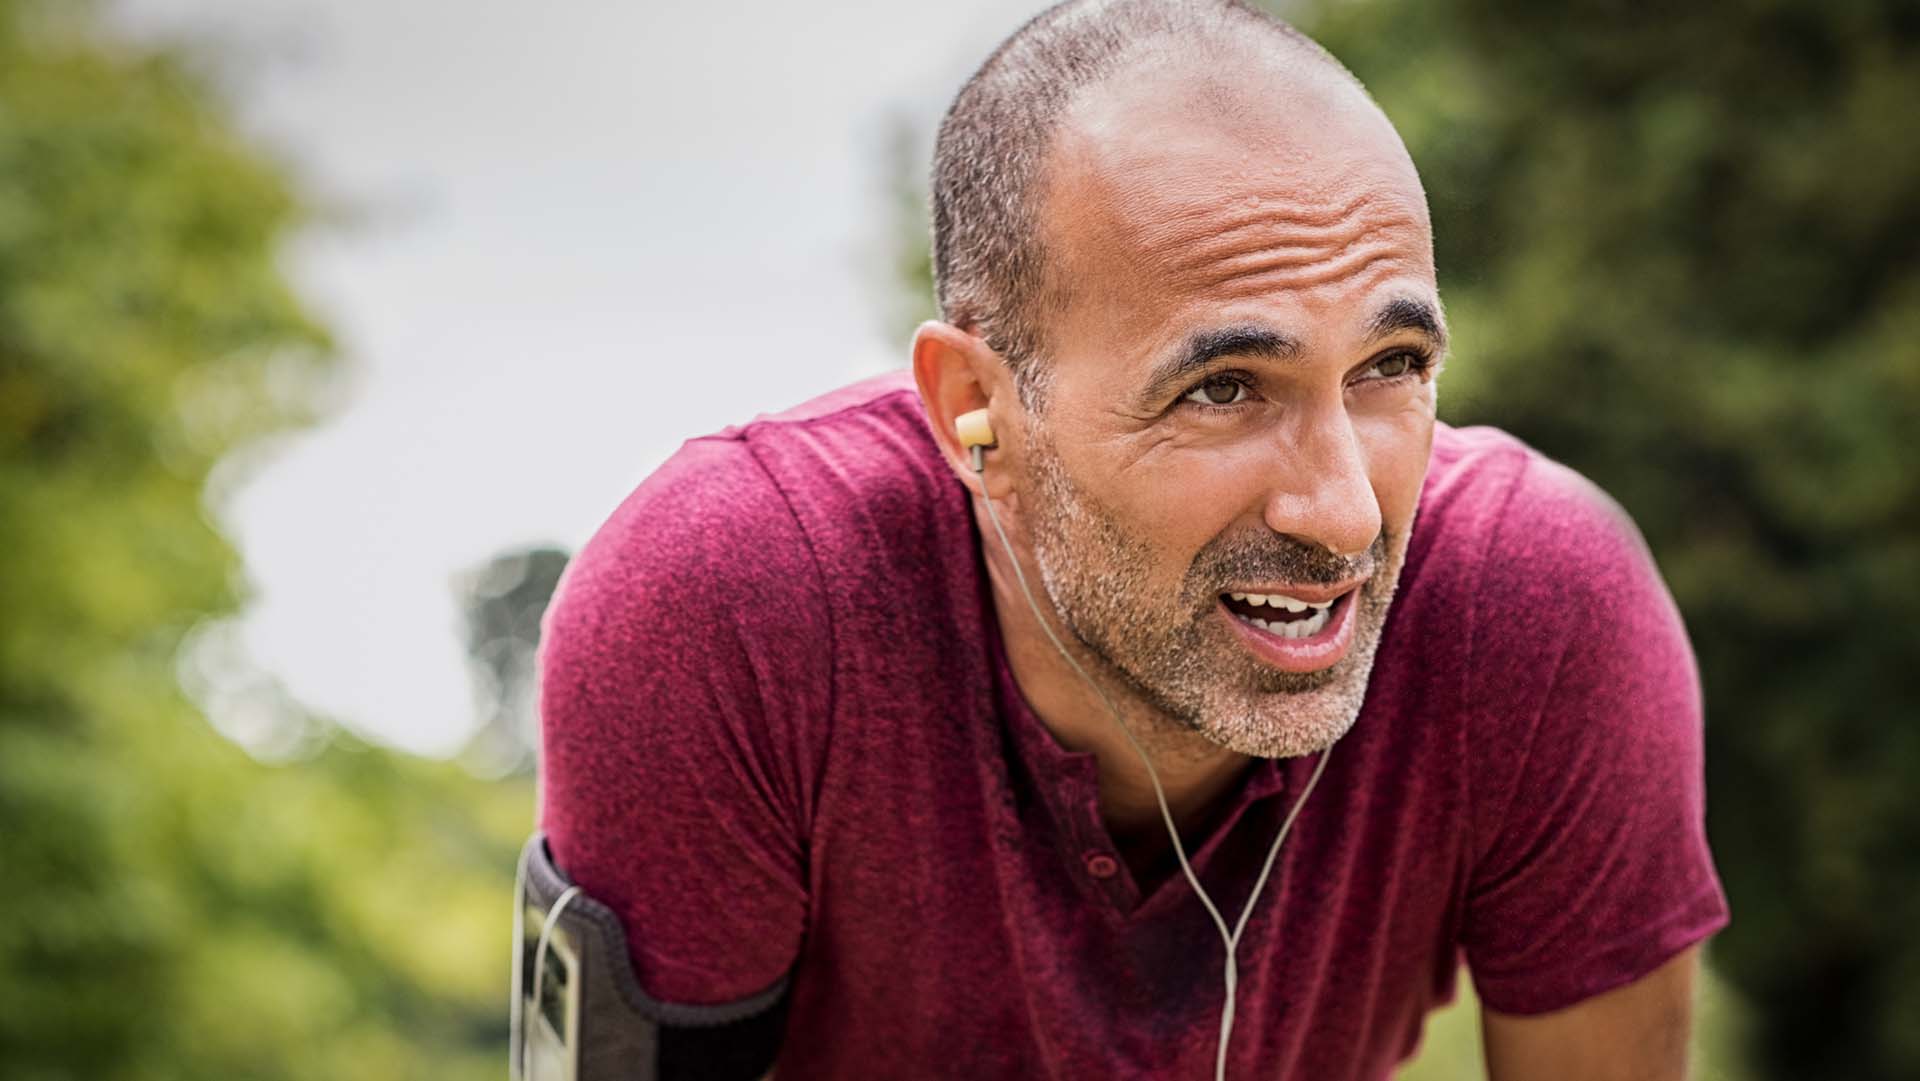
[578, 1013]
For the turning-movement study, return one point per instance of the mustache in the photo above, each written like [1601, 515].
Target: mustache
[1276, 556]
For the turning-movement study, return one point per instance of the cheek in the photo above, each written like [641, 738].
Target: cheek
[1397, 441]
[1179, 496]
[1179, 502]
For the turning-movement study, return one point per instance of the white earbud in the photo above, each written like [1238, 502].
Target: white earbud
[976, 434]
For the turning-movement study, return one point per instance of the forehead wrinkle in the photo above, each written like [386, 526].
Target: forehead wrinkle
[1203, 219]
[1174, 197]
[1318, 256]
[1265, 276]
[1148, 199]
[1200, 244]
[1193, 203]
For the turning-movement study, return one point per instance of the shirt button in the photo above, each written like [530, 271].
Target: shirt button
[1101, 865]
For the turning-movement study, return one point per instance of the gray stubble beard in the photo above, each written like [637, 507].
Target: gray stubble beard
[1184, 665]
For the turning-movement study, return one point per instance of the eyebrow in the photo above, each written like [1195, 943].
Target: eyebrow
[1203, 347]
[1407, 313]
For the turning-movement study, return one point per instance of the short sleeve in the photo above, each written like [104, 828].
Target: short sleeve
[1590, 858]
[681, 662]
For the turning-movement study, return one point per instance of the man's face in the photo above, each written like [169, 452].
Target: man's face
[1240, 398]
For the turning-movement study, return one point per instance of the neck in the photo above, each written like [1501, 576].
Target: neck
[1193, 771]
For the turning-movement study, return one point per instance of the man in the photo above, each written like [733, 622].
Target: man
[806, 737]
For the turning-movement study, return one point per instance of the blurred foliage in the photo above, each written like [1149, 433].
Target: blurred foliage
[175, 908]
[502, 602]
[905, 259]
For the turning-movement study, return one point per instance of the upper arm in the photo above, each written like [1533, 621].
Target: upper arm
[1637, 1032]
[680, 662]
[1590, 867]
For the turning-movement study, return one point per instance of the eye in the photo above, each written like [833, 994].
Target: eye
[1218, 390]
[1395, 366]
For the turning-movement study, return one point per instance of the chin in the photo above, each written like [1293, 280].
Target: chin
[1289, 714]
[1287, 724]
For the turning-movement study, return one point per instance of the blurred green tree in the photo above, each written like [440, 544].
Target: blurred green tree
[175, 908]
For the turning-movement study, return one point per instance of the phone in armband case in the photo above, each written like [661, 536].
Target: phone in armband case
[577, 1011]
[546, 991]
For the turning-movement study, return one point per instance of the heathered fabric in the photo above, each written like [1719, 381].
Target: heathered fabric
[781, 738]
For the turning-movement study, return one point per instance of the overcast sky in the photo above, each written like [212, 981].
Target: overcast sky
[591, 231]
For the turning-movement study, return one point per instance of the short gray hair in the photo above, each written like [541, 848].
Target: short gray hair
[989, 270]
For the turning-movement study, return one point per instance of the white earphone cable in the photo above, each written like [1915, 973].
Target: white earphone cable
[1232, 939]
[540, 951]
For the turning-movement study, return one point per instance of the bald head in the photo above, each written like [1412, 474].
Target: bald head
[995, 157]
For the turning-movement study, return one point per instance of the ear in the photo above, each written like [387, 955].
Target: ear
[958, 373]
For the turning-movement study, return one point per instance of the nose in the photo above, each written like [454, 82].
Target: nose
[1323, 495]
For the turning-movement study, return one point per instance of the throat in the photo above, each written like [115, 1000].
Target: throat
[1148, 852]
[1198, 808]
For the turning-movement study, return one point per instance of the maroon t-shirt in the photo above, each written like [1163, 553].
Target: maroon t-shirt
[782, 742]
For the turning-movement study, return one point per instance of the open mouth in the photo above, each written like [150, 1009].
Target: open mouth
[1294, 633]
[1282, 615]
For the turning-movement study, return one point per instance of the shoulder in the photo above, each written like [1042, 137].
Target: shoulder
[741, 541]
[1574, 641]
[1553, 589]
[855, 461]
[709, 519]
[1535, 532]
[1559, 550]
[862, 476]
[732, 511]
[692, 617]
[1584, 751]
[707, 571]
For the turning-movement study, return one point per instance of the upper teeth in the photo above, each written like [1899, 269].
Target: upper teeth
[1279, 600]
